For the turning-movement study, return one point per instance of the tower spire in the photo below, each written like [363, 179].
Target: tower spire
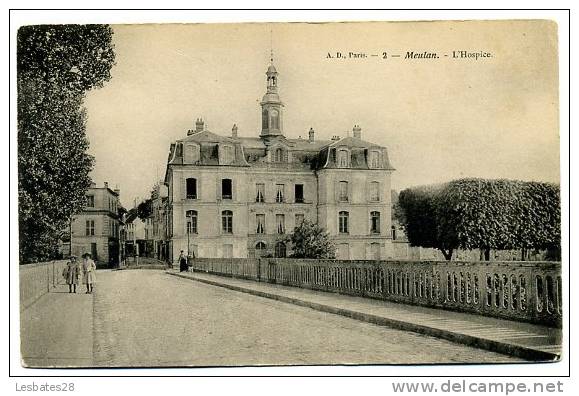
[271, 46]
[271, 105]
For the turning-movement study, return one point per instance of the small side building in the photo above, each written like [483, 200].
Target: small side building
[96, 229]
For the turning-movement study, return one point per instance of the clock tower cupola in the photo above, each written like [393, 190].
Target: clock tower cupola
[271, 105]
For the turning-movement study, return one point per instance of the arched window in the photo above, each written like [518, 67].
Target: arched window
[227, 221]
[280, 250]
[343, 158]
[264, 119]
[279, 155]
[393, 233]
[375, 159]
[191, 221]
[375, 222]
[343, 218]
[274, 119]
[260, 249]
[191, 188]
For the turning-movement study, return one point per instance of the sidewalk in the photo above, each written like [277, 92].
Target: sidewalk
[57, 330]
[524, 340]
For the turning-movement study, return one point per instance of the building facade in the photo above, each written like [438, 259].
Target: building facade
[96, 229]
[233, 196]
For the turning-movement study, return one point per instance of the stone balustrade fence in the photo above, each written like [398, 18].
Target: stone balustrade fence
[38, 279]
[522, 291]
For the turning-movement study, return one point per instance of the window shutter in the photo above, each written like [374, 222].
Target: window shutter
[234, 190]
[218, 189]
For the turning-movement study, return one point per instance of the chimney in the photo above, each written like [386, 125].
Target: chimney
[117, 191]
[199, 124]
[357, 131]
[106, 184]
[335, 138]
[311, 135]
[92, 184]
[234, 131]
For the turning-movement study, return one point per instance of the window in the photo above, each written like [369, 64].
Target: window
[374, 191]
[375, 222]
[343, 158]
[191, 154]
[274, 119]
[259, 192]
[264, 120]
[299, 193]
[299, 219]
[89, 227]
[375, 159]
[280, 250]
[90, 201]
[191, 221]
[343, 222]
[343, 191]
[226, 189]
[226, 155]
[260, 223]
[279, 193]
[191, 188]
[280, 222]
[227, 221]
[279, 155]
[393, 233]
[260, 248]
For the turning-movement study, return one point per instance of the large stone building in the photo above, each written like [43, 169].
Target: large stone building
[96, 229]
[233, 196]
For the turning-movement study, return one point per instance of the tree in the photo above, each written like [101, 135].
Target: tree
[482, 214]
[145, 209]
[311, 241]
[416, 211]
[56, 65]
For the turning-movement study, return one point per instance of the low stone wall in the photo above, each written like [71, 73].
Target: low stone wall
[523, 291]
[38, 279]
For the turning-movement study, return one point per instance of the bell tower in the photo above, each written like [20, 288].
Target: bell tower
[271, 105]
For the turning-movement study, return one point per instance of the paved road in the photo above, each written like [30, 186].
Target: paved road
[149, 318]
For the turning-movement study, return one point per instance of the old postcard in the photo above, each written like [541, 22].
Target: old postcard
[263, 194]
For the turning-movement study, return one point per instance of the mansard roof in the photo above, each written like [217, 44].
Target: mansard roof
[253, 151]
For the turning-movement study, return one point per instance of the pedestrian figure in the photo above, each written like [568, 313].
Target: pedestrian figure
[71, 274]
[89, 272]
[183, 267]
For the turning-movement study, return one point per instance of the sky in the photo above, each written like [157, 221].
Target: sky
[440, 119]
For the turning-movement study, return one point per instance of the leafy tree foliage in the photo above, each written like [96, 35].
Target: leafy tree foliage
[311, 241]
[145, 209]
[56, 65]
[482, 214]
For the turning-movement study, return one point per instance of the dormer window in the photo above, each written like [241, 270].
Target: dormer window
[279, 155]
[375, 159]
[343, 158]
[191, 155]
[226, 155]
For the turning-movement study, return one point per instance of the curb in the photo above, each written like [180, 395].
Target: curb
[459, 338]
